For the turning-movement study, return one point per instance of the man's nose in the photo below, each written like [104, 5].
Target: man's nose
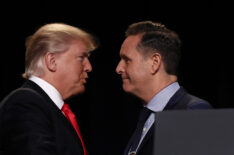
[87, 66]
[120, 68]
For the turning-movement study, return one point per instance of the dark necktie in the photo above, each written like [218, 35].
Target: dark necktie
[72, 119]
[144, 114]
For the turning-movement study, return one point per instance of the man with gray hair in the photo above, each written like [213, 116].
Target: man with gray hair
[34, 118]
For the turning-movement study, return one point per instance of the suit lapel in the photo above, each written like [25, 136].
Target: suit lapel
[147, 137]
[128, 146]
[56, 111]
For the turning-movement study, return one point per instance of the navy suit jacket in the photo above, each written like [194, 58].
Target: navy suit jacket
[32, 124]
[180, 100]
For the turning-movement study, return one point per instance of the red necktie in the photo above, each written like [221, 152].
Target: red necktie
[72, 118]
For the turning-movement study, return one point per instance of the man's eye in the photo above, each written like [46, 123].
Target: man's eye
[81, 58]
[127, 61]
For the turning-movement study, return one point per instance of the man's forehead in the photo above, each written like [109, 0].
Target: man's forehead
[123, 51]
[128, 52]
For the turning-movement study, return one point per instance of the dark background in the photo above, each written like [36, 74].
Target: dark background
[107, 116]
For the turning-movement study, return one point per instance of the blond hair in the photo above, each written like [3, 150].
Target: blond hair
[54, 37]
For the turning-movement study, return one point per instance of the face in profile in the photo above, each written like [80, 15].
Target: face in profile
[73, 67]
[133, 68]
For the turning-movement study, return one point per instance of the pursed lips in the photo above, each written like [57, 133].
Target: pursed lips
[84, 78]
[124, 78]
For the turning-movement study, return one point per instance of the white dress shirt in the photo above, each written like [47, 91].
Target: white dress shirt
[50, 90]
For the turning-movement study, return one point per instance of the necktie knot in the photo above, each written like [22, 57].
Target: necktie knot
[144, 114]
[70, 115]
[66, 109]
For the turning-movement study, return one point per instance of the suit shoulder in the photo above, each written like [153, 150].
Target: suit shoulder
[194, 102]
[21, 95]
[25, 104]
[183, 100]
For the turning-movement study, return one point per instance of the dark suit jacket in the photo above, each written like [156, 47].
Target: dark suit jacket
[180, 100]
[31, 124]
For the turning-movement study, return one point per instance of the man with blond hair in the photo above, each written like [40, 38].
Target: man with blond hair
[34, 118]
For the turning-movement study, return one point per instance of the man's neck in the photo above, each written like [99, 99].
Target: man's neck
[156, 86]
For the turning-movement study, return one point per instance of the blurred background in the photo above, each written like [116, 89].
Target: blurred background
[108, 116]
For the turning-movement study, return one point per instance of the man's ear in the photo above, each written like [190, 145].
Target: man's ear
[50, 61]
[156, 59]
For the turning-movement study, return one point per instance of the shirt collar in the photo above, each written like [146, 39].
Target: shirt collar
[50, 90]
[160, 100]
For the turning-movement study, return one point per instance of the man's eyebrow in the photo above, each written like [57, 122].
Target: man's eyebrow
[86, 53]
[124, 57]
[89, 53]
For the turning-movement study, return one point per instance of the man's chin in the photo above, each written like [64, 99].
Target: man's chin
[80, 91]
[126, 88]
[75, 92]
